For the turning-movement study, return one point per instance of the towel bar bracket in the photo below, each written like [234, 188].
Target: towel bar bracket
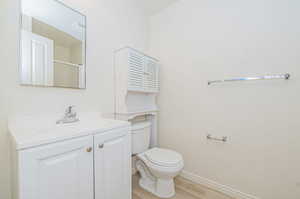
[223, 139]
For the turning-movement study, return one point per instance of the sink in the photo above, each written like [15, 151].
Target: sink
[29, 131]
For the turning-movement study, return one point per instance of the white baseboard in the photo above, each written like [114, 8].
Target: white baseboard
[216, 186]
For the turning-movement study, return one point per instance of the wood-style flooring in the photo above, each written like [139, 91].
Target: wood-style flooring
[184, 190]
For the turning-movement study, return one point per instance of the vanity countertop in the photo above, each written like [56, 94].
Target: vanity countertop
[28, 132]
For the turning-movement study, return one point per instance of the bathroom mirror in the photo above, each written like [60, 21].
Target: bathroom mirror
[52, 44]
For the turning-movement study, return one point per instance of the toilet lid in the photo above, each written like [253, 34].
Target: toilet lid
[163, 157]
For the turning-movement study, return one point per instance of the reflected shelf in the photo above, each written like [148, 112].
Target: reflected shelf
[68, 63]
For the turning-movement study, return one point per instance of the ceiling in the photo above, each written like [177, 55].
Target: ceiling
[154, 6]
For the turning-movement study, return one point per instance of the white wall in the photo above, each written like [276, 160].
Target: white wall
[213, 39]
[110, 25]
[154, 6]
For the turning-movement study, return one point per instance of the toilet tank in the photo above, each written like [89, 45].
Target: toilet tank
[140, 136]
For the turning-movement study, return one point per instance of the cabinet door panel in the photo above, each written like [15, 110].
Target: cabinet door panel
[57, 171]
[135, 71]
[37, 59]
[151, 75]
[113, 168]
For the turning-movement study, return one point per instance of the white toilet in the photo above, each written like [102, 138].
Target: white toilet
[157, 166]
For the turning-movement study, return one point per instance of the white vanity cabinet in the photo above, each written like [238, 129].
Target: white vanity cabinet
[57, 171]
[84, 160]
[112, 165]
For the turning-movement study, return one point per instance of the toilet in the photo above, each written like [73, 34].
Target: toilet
[158, 167]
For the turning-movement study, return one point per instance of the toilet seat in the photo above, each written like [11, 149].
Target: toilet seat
[163, 157]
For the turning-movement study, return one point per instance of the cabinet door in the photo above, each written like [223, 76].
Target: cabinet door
[151, 83]
[113, 165]
[37, 59]
[135, 71]
[57, 171]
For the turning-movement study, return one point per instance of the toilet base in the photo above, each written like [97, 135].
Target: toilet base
[163, 188]
[160, 188]
[157, 176]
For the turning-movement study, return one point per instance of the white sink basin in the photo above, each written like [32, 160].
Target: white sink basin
[33, 131]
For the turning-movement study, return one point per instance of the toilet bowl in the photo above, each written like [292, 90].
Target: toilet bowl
[158, 167]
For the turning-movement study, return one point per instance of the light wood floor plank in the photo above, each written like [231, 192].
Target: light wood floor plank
[184, 190]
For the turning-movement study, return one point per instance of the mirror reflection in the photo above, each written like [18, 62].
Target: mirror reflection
[52, 45]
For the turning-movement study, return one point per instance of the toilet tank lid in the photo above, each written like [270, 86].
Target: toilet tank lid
[140, 125]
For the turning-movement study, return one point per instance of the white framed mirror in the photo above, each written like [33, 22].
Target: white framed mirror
[52, 45]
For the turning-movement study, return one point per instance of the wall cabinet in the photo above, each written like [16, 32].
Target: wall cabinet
[136, 81]
[94, 166]
[136, 70]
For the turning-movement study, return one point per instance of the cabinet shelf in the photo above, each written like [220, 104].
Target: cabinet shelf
[68, 63]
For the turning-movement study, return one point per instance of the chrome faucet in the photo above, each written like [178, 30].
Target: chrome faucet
[69, 117]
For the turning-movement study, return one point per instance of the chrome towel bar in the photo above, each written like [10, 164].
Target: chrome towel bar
[266, 77]
[223, 139]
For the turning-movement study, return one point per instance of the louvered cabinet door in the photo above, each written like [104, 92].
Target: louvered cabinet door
[151, 83]
[135, 71]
